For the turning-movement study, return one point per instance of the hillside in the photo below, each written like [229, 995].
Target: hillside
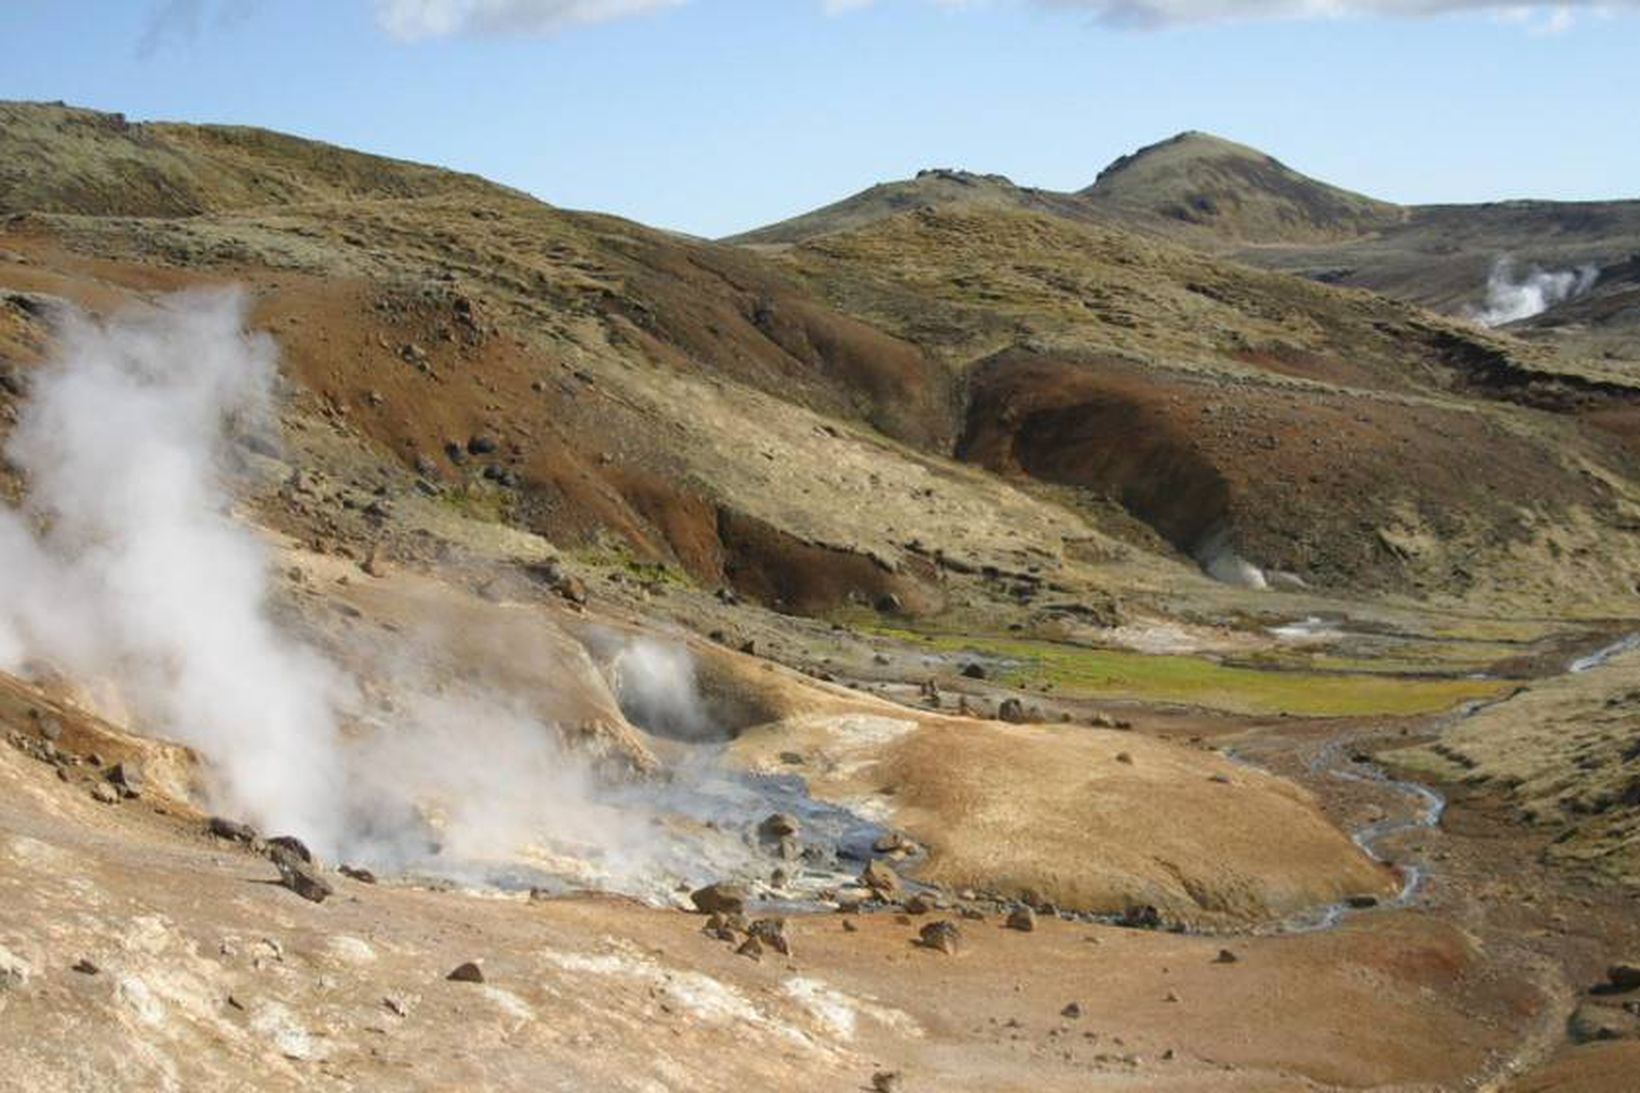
[951, 643]
[1233, 192]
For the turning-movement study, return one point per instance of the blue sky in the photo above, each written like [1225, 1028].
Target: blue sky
[713, 116]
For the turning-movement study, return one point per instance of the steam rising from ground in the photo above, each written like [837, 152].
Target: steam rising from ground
[1509, 299]
[125, 566]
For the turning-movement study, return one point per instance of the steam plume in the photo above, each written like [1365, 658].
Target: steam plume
[1510, 300]
[125, 566]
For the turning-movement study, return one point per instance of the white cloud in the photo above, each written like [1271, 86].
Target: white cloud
[413, 19]
[1541, 17]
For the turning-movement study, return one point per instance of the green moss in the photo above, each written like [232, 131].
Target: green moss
[476, 502]
[1080, 671]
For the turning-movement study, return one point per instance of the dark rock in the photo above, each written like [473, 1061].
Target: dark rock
[919, 904]
[293, 846]
[1011, 710]
[1362, 903]
[232, 830]
[105, 793]
[127, 778]
[973, 671]
[943, 936]
[1142, 916]
[725, 897]
[469, 972]
[1592, 1021]
[1624, 977]
[772, 933]
[1073, 1011]
[481, 444]
[881, 878]
[86, 967]
[1022, 918]
[889, 604]
[302, 879]
[365, 876]
[1226, 957]
[778, 826]
[752, 947]
[887, 1081]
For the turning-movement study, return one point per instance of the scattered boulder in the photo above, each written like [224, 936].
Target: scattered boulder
[1142, 916]
[894, 842]
[1022, 918]
[1591, 1022]
[887, 1081]
[752, 948]
[86, 967]
[943, 936]
[973, 671]
[365, 876]
[772, 933]
[105, 793]
[881, 878]
[469, 972]
[302, 878]
[724, 896]
[920, 903]
[481, 444]
[1362, 903]
[126, 778]
[1011, 710]
[1624, 977]
[780, 825]
[1124, 757]
[232, 830]
[289, 845]
[1226, 957]
[1072, 1011]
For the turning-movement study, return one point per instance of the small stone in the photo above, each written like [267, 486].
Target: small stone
[1226, 957]
[303, 879]
[233, 830]
[105, 793]
[126, 778]
[1172, 996]
[778, 826]
[1624, 977]
[1011, 710]
[752, 948]
[1124, 757]
[1362, 903]
[772, 933]
[973, 671]
[887, 1081]
[365, 876]
[398, 1005]
[469, 972]
[86, 967]
[942, 936]
[881, 878]
[291, 845]
[1022, 919]
[850, 927]
[1072, 1011]
[1221, 779]
[919, 904]
[724, 896]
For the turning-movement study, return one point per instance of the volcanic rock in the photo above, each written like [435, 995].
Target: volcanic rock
[302, 878]
[469, 972]
[232, 830]
[1072, 1011]
[289, 845]
[780, 825]
[887, 1081]
[126, 778]
[1624, 977]
[943, 936]
[1022, 918]
[724, 896]
[365, 876]
[752, 947]
[1011, 710]
[105, 793]
[1226, 957]
[881, 878]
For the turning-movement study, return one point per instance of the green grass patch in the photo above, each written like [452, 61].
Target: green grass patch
[1080, 671]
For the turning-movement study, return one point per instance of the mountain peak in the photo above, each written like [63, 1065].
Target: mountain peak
[1234, 191]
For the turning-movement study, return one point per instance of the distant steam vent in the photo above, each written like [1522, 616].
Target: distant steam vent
[1509, 298]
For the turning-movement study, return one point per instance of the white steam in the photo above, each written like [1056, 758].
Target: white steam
[124, 567]
[658, 690]
[1510, 299]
